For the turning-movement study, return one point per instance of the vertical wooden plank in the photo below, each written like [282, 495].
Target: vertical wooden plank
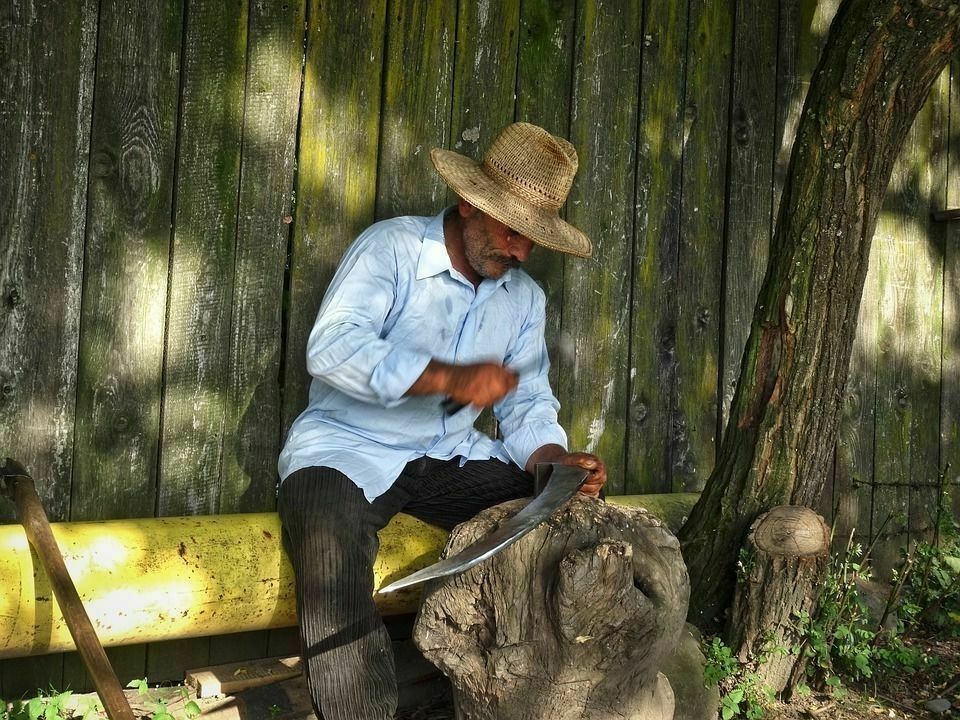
[485, 74]
[596, 292]
[484, 88]
[127, 256]
[272, 104]
[196, 373]
[908, 370]
[752, 133]
[544, 76]
[133, 144]
[702, 207]
[655, 433]
[339, 135]
[252, 432]
[416, 106]
[950, 371]
[924, 494]
[46, 93]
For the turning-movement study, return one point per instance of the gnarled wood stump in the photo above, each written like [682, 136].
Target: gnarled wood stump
[570, 622]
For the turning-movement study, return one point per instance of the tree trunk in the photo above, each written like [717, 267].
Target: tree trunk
[877, 67]
[572, 621]
[782, 568]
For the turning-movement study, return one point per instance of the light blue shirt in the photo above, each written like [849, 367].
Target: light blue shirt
[395, 303]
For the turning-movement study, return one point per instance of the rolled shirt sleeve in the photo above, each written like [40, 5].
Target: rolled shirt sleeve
[346, 349]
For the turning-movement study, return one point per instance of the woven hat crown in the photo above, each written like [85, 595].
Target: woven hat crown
[533, 164]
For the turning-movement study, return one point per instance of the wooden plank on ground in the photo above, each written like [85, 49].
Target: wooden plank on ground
[229, 678]
[950, 372]
[700, 265]
[336, 180]
[544, 76]
[752, 134]
[45, 105]
[654, 432]
[416, 106]
[196, 374]
[593, 389]
[908, 371]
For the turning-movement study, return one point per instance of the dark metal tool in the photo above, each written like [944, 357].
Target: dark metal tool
[564, 482]
[17, 483]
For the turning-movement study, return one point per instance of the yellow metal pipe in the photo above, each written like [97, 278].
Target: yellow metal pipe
[156, 579]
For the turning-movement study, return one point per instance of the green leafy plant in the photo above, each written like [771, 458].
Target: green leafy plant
[929, 580]
[50, 706]
[55, 705]
[841, 639]
[742, 691]
[159, 710]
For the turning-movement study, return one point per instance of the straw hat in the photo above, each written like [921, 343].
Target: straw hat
[522, 182]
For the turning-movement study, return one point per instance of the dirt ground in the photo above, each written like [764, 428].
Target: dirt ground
[896, 697]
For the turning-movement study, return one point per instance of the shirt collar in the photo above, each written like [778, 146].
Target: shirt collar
[434, 258]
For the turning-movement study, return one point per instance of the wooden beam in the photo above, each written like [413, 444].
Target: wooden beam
[165, 578]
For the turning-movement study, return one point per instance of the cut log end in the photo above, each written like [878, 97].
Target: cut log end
[791, 531]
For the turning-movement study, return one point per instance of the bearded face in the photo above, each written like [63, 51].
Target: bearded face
[491, 247]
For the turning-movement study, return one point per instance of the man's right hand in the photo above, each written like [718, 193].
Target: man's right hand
[478, 384]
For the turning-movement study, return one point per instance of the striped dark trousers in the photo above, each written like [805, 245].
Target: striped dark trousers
[330, 533]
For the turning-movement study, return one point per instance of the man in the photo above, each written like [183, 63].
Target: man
[426, 322]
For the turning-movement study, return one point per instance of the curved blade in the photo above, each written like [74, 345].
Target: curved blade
[563, 485]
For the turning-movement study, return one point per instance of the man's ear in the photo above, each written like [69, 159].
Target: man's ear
[465, 209]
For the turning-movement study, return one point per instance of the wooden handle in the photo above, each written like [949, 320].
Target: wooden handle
[37, 527]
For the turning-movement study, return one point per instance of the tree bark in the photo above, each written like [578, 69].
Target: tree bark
[879, 62]
[571, 622]
[782, 568]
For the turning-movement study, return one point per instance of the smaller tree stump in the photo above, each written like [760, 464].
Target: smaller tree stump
[570, 622]
[783, 566]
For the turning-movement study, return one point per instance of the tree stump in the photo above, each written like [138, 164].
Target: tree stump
[783, 565]
[570, 622]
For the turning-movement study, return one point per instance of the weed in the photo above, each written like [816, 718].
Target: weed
[742, 691]
[158, 707]
[841, 640]
[930, 580]
[55, 705]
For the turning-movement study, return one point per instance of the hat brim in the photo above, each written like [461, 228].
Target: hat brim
[544, 227]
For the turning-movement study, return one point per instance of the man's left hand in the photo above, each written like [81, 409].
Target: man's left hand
[557, 454]
[598, 471]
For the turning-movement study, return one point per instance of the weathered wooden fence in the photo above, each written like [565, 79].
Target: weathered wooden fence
[178, 180]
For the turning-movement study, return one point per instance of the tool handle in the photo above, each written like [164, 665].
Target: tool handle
[451, 406]
[37, 527]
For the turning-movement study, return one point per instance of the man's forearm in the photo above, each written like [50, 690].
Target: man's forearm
[544, 453]
[434, 380]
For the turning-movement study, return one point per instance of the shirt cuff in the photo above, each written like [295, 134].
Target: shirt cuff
[531, 437]
[394, 375]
